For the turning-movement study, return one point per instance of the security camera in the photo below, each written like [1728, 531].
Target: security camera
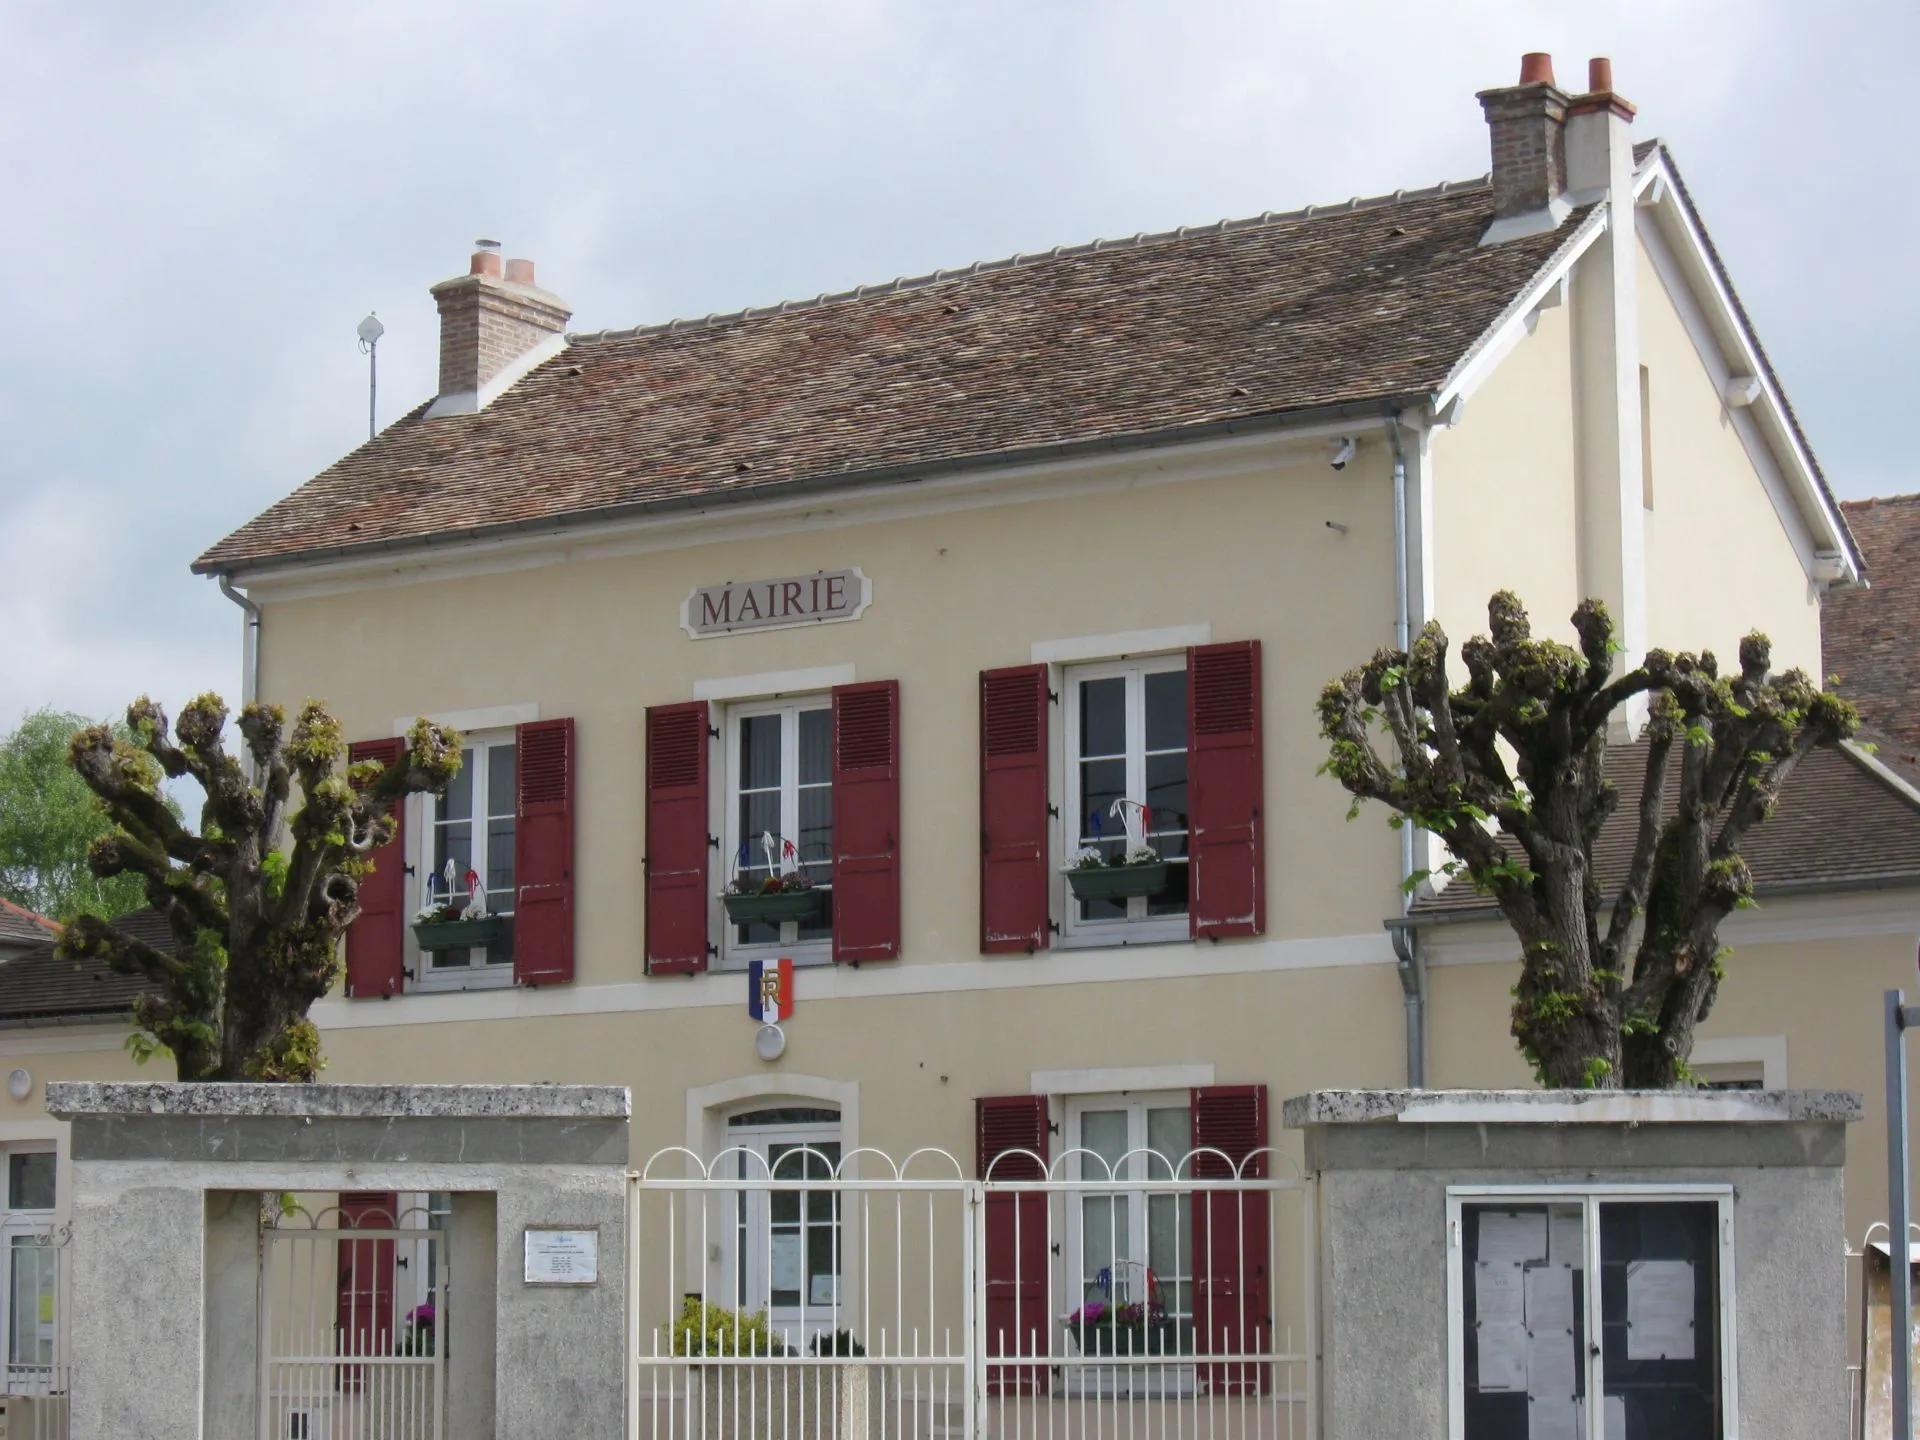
[1344, 453]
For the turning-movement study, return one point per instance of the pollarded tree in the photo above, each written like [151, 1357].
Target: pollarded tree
[256, 928]
[1611, 988]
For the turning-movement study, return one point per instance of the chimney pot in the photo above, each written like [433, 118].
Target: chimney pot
[1536, 68]
[520, 272]
[485, 262]
[1599, 75]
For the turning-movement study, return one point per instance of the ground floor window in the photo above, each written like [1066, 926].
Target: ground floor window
[788, 1255]
[1590, 1314]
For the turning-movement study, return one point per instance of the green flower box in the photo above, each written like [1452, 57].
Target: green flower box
[775, 908]
[1150, 1340]
[461, 934]
[1118, 882]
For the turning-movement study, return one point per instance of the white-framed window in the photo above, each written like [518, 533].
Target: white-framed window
[779, 787]
[788, 1244]
[27, 1327]
[1127, 1247]
[1126, 739]
[472, 825]
[1535, 1274]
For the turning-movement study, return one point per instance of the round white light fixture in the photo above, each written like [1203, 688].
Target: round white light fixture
[770, 1043]
[20, 1084]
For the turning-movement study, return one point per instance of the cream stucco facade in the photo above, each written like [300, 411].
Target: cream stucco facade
[1079, 561]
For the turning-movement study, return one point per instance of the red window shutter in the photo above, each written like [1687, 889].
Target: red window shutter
[1232, 1250]
[377, 940]
[1228, 885]
[1011, 1140]
[364, 1288]
[866, 822]
[1013, 811]
[677, 850]
[543, 854]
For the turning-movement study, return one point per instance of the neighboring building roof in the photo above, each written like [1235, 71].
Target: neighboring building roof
[1870, 639]
[38, 986]
[20, 926]
[1162, 337]
[1841, 823]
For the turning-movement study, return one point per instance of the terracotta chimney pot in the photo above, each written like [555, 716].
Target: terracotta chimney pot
[1536, 68]
[520, 272]
[1599, 74]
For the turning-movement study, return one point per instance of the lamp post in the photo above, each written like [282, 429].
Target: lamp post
[370, 330]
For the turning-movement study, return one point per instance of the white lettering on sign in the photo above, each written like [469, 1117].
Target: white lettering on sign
[737, 605]
[562, 1257]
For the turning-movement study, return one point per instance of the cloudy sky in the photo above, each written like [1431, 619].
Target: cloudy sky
[203, 199]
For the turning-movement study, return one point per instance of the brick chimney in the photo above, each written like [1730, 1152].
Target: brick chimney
[1528, 125]
[494, 327]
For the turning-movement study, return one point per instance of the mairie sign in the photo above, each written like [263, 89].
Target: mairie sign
[816, 599]
[770, 990]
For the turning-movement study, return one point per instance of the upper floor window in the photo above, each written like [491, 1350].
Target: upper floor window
[779, 819]
[1126, 727]
[471, 827]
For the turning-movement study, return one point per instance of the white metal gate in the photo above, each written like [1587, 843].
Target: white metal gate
[864, 1299]
[353, 1317]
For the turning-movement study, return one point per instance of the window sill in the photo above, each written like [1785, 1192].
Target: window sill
[491, 978]
[1128, 936]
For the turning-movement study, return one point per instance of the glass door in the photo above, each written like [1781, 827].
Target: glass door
[788, 1242]
[33, 1274]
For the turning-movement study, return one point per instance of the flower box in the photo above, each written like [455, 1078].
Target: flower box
[774, 907]
[461, 934]
[1148, 1339]
[1118, 882]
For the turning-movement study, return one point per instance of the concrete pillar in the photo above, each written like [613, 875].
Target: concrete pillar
[231, 1315]
[473, 1300]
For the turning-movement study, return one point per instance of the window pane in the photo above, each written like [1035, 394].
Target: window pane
[1514, 1258]
[30, 1181]
[458, 804]
[502, 791]
[1103, 717]
[1659, 1316]
[759, 752]
[759, 815]
[30, 1302]
[1167, 710]
[1167, 799]
[500, 866]
[1103, 1245]
[1104, 1132]
[816, 747]
[1101, 783]
[816, 831]
[1169, 1136]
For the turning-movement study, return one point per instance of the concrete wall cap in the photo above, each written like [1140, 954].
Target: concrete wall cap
[69, 1098]
[1569, 1107]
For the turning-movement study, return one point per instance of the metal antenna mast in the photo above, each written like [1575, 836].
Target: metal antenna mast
[370, 330]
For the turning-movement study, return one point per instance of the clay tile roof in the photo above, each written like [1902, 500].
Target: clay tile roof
[19, 925]
[1870, 639]
[1193, 332]
[1839, 824]
[38, 986]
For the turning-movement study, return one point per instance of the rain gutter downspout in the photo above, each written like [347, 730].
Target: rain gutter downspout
[249, 658]
[1409, 964]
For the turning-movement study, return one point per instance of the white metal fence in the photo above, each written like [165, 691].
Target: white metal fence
[352, 1308]
[799, 1295]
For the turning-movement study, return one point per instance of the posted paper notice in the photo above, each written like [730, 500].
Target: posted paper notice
[1513, 1238]
[1503, 1358]
[1660, 1310]
[1498, 1296]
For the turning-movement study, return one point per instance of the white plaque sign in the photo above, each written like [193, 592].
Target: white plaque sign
[562, 1257]
[739, 605]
